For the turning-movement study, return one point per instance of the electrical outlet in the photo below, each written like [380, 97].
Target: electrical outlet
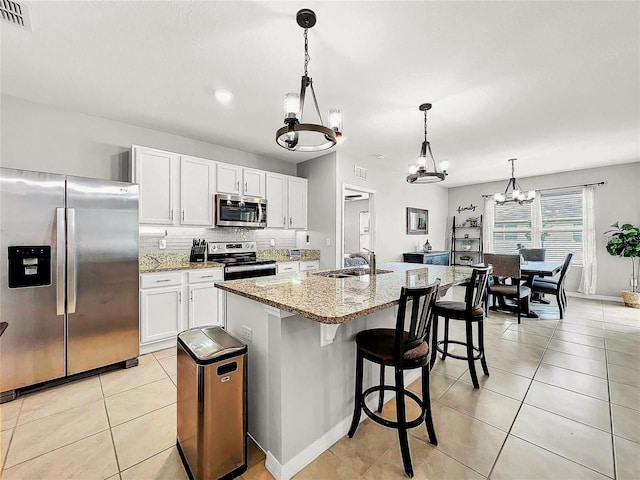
[272, 242]
[162, 243]
[328, 242]
[247, 333]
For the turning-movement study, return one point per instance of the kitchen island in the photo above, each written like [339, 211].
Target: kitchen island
[300, 329]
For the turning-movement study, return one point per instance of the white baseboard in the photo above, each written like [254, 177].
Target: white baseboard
[605, 298]
[313, 451]
[161, 345]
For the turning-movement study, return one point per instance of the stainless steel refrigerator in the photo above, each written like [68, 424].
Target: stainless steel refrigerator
[69, 276]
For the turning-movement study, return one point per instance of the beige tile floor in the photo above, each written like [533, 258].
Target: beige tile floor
[562, 402]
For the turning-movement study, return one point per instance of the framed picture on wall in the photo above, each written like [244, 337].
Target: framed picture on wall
[417, 221]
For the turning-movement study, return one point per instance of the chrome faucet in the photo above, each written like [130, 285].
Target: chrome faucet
[370, 259]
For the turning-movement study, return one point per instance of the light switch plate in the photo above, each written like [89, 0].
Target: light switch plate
[162, 243]
[328, 242]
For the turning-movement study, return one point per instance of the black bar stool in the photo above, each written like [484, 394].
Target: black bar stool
[403, 350]
[470, 311]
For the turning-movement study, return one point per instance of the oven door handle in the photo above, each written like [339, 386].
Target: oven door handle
[249, 268]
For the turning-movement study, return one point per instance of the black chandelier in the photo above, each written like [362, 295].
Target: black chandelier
[513, 192]
[418, 172]
[307, 137]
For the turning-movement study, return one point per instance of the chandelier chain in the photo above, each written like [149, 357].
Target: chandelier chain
[306, 52]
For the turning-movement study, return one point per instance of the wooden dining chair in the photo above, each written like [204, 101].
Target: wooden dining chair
[555, 286]
[506, 268]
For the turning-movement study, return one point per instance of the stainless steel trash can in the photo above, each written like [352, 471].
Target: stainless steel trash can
[212, 403]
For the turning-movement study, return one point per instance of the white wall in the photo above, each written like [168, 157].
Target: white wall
[44, 138]
[352, 211]
[618, 200]
[320, 173]
[393, 196]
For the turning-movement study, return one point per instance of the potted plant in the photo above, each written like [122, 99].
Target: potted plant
[466, 259]
[473, 221]
[624, 241]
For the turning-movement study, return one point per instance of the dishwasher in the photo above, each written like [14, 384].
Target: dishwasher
[212, 403]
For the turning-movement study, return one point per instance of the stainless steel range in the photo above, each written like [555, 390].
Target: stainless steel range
[240, 260]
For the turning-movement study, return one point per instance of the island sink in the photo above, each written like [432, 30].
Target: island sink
[349, 273]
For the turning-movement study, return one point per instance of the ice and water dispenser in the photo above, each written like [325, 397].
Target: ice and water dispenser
[29, 266]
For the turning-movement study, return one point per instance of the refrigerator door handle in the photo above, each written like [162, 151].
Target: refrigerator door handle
[71, 260]
[60, 246]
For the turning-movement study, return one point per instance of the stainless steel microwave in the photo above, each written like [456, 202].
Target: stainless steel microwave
[238, 211]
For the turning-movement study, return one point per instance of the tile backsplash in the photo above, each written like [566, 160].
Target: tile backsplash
[179, 239]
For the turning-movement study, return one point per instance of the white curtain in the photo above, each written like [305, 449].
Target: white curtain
[590, 267]
[487, 224]
[536, 219]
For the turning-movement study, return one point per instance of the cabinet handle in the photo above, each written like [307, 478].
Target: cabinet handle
[237, 185]
[207, 276]
[192, 296]
[245, 186]
[171, 215]
[290, 220]
[284, 221]
[165, 280]
[183, 215]
[179, 297]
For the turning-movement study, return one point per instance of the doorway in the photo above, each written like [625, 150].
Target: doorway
[358, 221]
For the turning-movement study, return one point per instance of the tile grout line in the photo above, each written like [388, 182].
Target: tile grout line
[13, 432]
[495, 462]
[113, 443]
[606, 362]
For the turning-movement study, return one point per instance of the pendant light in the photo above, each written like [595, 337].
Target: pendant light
[307, 137]
[418, 172]
[513, 192]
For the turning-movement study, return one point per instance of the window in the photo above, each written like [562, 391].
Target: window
[560, 232]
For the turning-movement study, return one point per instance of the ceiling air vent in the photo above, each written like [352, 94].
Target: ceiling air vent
[16, 13]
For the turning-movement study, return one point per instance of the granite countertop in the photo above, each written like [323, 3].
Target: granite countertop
[337, 300]
[164, 262]
[284, 255]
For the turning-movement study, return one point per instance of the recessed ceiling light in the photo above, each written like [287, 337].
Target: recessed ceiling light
[223, 96]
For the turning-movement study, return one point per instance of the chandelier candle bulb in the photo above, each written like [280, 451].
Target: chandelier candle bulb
[291, 105]
[335, 119]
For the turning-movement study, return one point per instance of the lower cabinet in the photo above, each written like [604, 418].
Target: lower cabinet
[308, 265]
[171, 302]
[301, 266]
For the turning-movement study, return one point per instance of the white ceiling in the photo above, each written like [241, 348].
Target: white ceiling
[555, 84]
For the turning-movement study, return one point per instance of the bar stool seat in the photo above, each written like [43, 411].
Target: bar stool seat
[470, 311]
[404, 347]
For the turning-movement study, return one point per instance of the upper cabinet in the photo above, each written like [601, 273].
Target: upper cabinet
[297, 205]
[286, 201]
[174, 189]
[276, 200]
[157, 174]
[178, 190]
[236, 180]
[196, 191]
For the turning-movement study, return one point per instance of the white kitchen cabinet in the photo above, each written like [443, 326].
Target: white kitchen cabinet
[253, 182]
[276, 190]
[236, 180]
[309, 265]
[173, 301]
[160, 314]
[228, 179]
[205, 305]
[286, 201]
[297, 202]
[287, 267]
[196, 191]
[157, 174]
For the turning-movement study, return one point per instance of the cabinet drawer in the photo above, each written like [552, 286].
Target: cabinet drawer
[310, 265]
[160, 279]
[287, 267]
[209, 275]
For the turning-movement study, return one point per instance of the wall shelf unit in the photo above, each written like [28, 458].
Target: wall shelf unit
[466, 242]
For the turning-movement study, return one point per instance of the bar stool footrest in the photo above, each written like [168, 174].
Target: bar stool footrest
[389, 423]
[452, 355]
